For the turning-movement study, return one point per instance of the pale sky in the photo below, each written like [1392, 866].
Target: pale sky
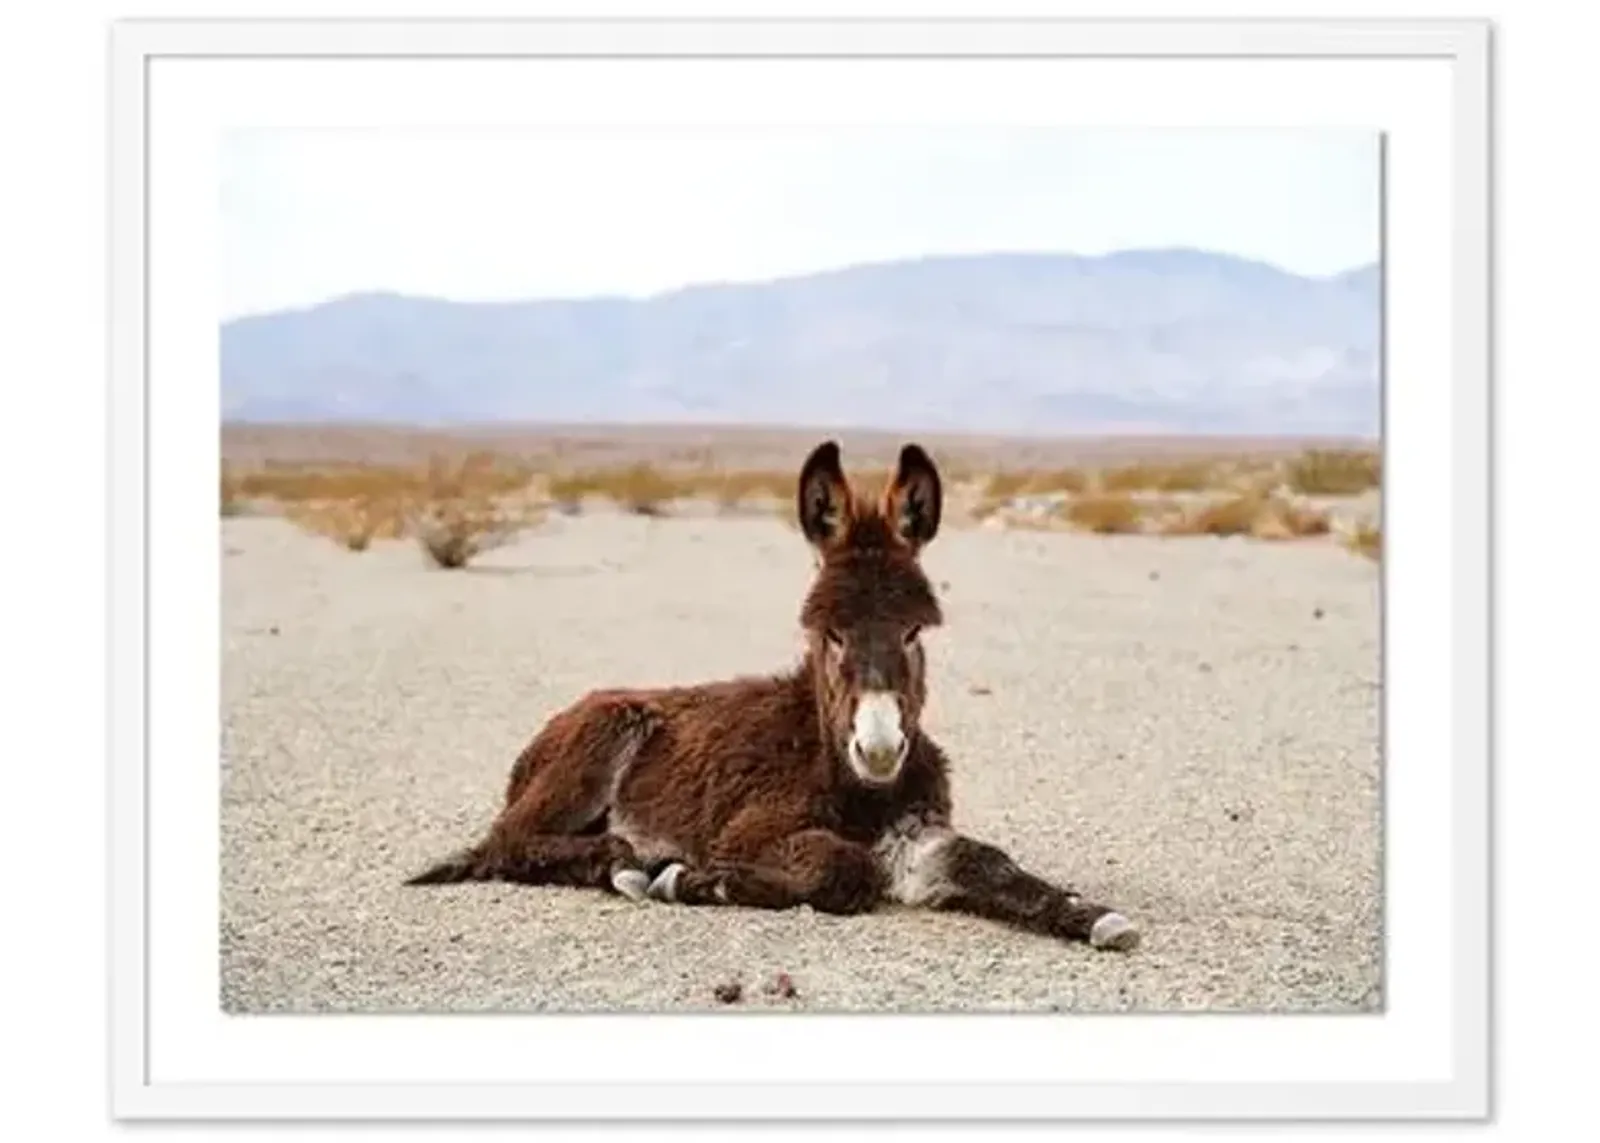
[316, 213]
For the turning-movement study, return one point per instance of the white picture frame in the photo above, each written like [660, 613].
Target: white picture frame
[1427, 1058]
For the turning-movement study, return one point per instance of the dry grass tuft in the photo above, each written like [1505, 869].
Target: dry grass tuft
[1335, 472]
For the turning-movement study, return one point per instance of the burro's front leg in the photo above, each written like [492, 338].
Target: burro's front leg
[931, 865]
[812, 867]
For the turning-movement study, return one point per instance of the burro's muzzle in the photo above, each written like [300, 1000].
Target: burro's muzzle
[878, 744]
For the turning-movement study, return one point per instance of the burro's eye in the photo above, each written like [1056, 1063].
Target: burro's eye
[911, 635]
[835, 640]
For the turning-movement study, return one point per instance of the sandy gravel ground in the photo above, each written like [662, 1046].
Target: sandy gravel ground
[1185, 729]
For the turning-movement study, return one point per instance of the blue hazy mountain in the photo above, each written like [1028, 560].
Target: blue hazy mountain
[1180, 340]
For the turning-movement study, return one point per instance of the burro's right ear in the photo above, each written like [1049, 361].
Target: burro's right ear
[823, 497]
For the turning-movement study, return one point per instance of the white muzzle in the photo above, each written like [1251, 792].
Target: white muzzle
[878, 745]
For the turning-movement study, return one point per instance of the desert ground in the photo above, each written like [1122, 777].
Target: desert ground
[1186, 728]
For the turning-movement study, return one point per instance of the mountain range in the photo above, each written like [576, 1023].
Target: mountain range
[1174, 340]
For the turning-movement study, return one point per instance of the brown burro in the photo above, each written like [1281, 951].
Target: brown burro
[814, 787]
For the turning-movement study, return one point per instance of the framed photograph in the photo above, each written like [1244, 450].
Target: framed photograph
[800, 570]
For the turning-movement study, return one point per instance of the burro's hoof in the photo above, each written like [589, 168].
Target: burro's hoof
[634, 884]
[665, 886]
[1114, 931]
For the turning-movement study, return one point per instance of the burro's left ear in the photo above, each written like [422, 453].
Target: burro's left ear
[914, 499]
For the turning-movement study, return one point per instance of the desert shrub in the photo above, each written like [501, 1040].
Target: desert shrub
[231, 500]
[387, 517]
[1251, 479]
[1185, 476]
[1105, 515]
[1071, 480]
[454, 532]
[1260, 515]
[1002, 488]
[302, 484]
[353, 524]
[568, 489]
[731, 489]
[1284, 520]
[1334, 472]
[1234, 516]
[480, 473]
[1008, 484]
[1365, 539]
[1005, 485]
[453, 507]
[639, 488]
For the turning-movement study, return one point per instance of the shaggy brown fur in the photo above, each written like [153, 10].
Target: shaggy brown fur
[758, 791]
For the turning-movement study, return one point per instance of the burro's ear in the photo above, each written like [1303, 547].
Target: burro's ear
[823, 497]
[914, 499]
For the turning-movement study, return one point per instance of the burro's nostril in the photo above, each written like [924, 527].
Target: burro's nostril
[881, 753]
